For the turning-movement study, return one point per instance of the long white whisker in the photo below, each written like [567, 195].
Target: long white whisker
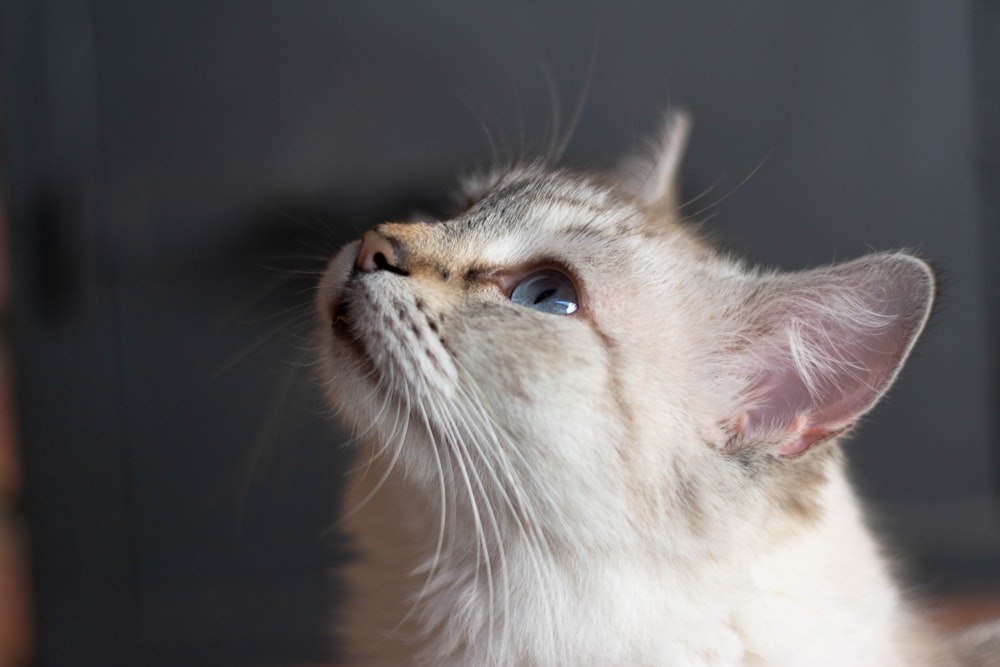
[390, 468]
[391, 438]
[438, 548]
[473, 439]
[462, 441]
[537, 544]
[472, 482]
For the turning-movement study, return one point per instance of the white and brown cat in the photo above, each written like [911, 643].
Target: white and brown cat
[588, 438]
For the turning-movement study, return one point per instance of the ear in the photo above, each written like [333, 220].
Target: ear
[654, 178]
[822, 347]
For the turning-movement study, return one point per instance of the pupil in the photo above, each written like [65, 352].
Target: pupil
[545, 294]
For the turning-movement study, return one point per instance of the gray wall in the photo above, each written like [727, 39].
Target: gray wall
[174, 172]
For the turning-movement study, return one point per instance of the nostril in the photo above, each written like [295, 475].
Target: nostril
[377, 254]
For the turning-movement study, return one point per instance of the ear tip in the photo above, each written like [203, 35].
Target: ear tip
[677, 124]
[679, 116]
[917, 273]
[904, 269]
[912, 260]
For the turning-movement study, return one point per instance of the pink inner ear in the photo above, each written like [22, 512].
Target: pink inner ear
[836, 344]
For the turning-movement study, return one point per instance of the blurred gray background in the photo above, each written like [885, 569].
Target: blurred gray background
[176, 173]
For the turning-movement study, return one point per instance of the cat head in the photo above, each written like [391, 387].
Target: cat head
[568, 343]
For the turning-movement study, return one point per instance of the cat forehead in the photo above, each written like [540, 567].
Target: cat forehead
[554, 197]
[537, 212]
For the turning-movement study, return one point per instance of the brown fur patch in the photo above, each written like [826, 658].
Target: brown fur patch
[794, 488]
[689, 500]
[643, 507]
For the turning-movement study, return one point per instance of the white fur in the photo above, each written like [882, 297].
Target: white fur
[620, 486]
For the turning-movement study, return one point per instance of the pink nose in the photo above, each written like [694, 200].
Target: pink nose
[376, 253]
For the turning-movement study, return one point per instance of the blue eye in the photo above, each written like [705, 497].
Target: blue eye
[547, 290]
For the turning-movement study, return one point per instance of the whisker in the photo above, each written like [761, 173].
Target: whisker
[390, 468]
[263, 446]
[469, 472]
[554, 106]
[536, 539]
[484, 126]
[443, 518]
[261, 342]
[783, 128]
[581, 102]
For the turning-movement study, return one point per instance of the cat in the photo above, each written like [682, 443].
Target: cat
[586, 437]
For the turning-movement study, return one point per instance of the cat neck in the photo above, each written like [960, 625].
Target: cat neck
[819, 596]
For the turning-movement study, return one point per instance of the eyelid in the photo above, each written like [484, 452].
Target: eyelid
[508, 278]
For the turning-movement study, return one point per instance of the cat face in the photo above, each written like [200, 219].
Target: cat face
[432, 348]
[567, 344]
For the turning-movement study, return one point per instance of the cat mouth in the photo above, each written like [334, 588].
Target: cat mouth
[350, 344]
[338, 314]
[342, 330]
